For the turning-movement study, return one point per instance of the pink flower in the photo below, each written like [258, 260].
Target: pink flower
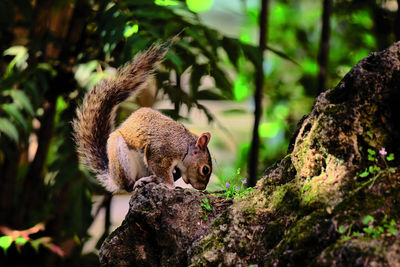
[382, 151]
[227, 184]
[244, 181]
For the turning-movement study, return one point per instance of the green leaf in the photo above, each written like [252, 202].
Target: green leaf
[390, 157]
[130, 30]
[20, 241]
[198, 71]
[20, 54]
[376, 168]
[367, 219]
[253, 54]
[364, 174]
[232, 48]
[36, 243]
[282, 55]
[241, 88]
[393, 231]
[5, 242]
[357, 234]
[346, 238]
[371, 169]
[14, 112]
[197, 6]
[166, 2]
[222, 81]
[370, 134]
[341, 230]
[209, 95]
[22, 100]
[9, 129]
[371, 152]
[176, 61]
[368, 230]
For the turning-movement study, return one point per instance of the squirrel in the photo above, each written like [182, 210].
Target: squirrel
[148, 146]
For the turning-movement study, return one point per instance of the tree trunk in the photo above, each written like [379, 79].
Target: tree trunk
[397, 22]
[307, 211]
[255, 143]
[323, 55]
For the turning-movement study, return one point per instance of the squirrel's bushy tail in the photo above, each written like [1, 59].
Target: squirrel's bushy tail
[95, 117]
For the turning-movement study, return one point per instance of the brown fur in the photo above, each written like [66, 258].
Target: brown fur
[157, 141]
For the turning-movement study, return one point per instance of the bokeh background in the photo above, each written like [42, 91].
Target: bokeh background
[52, 211]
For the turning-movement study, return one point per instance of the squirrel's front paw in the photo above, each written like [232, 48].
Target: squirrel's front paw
[145, 180]
[139, 183]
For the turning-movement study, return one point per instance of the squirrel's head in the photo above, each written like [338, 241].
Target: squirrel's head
[197, 163]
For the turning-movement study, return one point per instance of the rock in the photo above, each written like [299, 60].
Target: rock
[160, 227]
[332, 201]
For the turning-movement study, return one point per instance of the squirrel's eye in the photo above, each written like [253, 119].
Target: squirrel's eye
[205, 170]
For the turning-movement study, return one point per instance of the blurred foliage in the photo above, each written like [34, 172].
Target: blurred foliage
[358, 28]
[54, 50]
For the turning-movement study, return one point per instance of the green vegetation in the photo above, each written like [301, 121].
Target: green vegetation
[378, 162]
[370, 229]
[235, 191]
[206, 207]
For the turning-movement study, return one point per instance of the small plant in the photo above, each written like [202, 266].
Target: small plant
[371, 231]
[236, 192]
[378, 161]
[206, 207]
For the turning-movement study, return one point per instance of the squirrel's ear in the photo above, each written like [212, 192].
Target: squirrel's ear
[203, 140]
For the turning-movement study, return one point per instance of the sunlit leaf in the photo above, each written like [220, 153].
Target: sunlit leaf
[198, 6]
[9, 129]
[240, 88]
[166, 2]
[20, 241]
[130, 30]
[20, 54]
[269, 129]
[5, 242]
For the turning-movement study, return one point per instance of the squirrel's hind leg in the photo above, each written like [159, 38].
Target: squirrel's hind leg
[121, 165]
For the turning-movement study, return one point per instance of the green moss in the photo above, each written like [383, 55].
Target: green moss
[310, 193]
[249, 211]
[222, 219]
[285, 198]
[307, 229]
